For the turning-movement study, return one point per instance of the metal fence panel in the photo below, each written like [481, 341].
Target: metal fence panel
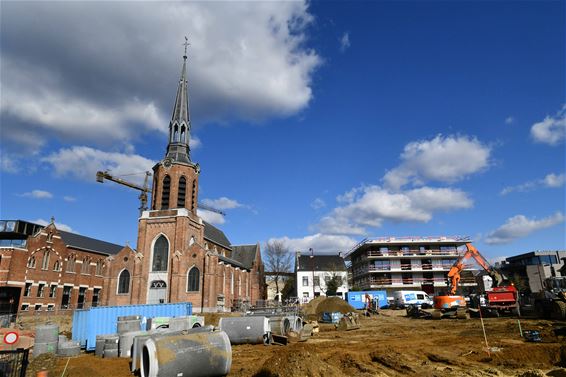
[89, 323]
[14, 363]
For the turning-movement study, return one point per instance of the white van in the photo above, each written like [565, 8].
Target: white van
[402, 299]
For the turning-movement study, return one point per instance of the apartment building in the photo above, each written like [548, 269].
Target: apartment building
[407, 263]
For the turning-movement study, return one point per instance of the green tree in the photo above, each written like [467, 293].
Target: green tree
[288, 290]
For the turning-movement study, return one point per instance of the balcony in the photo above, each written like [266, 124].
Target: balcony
[411, 253]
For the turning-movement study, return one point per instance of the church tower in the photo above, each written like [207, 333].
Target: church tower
[175, 178]
[169, 234]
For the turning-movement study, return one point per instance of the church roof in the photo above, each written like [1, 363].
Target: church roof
[321, 263]
[215, 235]
[245, 254]
[231, 261]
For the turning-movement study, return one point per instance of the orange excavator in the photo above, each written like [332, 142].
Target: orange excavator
[501, 297]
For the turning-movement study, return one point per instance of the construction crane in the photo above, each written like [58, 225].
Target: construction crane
[144, 190]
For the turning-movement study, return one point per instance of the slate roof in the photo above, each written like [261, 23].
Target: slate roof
[231, 261]
[245, 254]
[215, 235]
[26, 228]
[321, 263]
[89, 244]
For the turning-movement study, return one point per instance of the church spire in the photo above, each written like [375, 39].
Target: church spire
[180, 125]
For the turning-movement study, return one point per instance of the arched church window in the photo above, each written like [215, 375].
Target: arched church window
[160, 254]
[57, 266]
[192, 241]
[124, 282]
[176, 134]
[31, 262]
[193, 280]
[71, 264]
[45, 263]
[183, 140]
[181, 192]
[165, 192]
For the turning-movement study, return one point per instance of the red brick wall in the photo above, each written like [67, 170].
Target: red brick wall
[20, 269]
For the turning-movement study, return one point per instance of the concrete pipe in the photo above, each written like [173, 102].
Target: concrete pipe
[139, 340]
[196, 355]
[129, 325]
[41, 348]
[47, 333]
[242, 330]
[100, 341]
[127, 341]
[128, 317]
[109, 354]
[69, 349]
[111, 346]
[280, 325]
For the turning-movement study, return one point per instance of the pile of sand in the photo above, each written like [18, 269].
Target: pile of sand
[314, 309]
[297, 363]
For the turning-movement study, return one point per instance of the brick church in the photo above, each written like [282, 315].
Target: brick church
[179, 257]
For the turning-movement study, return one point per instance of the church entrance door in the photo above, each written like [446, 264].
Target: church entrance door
[157, 292]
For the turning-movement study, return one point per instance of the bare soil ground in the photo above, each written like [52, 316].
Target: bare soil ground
[386, 345]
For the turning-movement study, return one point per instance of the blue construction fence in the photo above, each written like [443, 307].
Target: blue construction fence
[358, 298]
[89, 323]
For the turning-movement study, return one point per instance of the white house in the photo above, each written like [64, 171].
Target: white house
[313, 272]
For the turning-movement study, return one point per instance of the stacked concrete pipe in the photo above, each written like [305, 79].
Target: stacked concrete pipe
[111, 346]
[46, 339]
[193, 354]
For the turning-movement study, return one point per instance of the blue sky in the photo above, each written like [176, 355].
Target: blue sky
[318, 124]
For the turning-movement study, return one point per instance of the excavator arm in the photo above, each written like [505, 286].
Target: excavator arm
[472, 252]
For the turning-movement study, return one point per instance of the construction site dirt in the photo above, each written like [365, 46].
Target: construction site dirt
[388, 344]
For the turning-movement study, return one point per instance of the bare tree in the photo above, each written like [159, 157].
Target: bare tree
[278, 261]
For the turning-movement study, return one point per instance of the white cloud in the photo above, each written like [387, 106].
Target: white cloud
[369, 206]
[222, 203]
[69, 199]
[320, 243]
[59, 226]
[211, 217]
[445, 159]
[549, 181]
[338, 225]
[345, 42]
[37, 194]
[8, 164]
[83, 163]
[551, 130]
[554, 180]
[509, 120]
[112, 76]
[520, 226]
[318, 203]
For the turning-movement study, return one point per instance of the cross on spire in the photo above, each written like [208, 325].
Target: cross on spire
[186, 44]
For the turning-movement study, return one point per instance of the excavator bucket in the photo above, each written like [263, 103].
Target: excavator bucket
[349, 322]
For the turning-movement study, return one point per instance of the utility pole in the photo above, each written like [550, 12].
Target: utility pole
[312, 268]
